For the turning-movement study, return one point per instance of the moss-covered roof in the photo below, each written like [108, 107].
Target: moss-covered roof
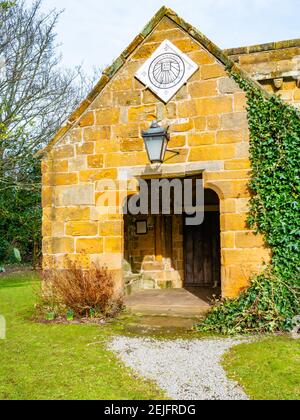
[111, 71]
[271, 46]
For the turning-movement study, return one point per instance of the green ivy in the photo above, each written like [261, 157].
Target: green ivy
[273, 298]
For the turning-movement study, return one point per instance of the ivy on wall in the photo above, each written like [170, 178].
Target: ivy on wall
[273, 298]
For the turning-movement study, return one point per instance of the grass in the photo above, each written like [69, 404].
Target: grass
[268, 369]
[40, 361]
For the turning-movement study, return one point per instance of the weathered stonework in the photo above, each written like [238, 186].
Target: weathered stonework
[102, 140]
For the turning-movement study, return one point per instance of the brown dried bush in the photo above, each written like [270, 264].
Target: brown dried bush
[84, 292]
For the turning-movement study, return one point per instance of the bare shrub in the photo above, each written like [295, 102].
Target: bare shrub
[85, 292]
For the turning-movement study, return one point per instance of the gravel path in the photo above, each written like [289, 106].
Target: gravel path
[186, 370]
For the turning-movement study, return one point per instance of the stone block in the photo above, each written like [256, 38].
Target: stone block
[202, 57]
[201, 139]
[78, 164]
[102, 101]
[126, 131]
[230, 136]
[46, 229]
[243, 205]
[213, 106]
[232, 188]
[214, 152]
[107, 198]
[115, 160]
[62, 245]
[95, 161]
[172, 158]
[257, 256]
[171, 110]
[55, 166]
[128, 98]
[227, 86]
[200, 123]
[87, 119]
[228, 205]
[234, 222]
[78, 261]
[240, 102]
[202, 89]
[242, 150]
[63, 152]
[148, 97]
[89, 246]
[177, 141]
[237, 164]
[66, 214]
[187, 109]
[182, 127]
[186, 45]
[213, 122]
[82, 229]
[213, 71]
[47, 196]
[120, 83]
[142, 113]
[234, 121]
[227, 240]
[113, 245]
[79, 195]
[111, 228]
[227, 175]
[94, 134]
[107, 146]
[58, 229]
[297, 94]
[171, 35]
[132, 145]
[248, 240]
[91, 175]
[56, 179]
[85, 148]
[145, 51]
[108, 116]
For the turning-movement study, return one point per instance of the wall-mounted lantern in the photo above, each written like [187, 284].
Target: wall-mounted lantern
[156, 142]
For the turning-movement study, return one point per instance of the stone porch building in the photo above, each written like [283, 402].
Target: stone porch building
[208, 127]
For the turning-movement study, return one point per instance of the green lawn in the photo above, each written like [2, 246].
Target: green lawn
[58, 361]
[268, 369]
[40, 361]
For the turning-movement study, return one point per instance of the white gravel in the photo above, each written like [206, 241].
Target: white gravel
[186, 370]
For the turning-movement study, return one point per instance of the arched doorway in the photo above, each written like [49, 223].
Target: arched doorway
[202, 247]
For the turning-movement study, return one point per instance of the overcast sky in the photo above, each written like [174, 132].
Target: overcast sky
[94, 32]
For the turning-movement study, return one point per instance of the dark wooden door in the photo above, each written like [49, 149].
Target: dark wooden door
[202, 253]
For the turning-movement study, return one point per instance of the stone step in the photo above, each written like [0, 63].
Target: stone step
[171, 302]
[160, 310]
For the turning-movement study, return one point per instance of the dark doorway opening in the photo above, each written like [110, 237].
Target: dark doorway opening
[202, 248]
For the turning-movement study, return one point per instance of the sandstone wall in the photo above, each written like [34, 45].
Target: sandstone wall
[208, 126]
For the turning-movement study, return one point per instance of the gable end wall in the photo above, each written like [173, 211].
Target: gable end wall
[208, 127]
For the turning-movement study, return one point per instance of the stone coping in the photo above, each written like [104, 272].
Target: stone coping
[271, 46]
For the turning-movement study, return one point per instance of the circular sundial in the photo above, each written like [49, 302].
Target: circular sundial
[166, 71]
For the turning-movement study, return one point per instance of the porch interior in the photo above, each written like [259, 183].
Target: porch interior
[169, 268]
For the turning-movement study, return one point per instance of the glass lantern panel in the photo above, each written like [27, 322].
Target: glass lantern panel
[155, 147]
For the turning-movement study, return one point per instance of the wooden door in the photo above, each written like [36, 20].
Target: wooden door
[202, 253]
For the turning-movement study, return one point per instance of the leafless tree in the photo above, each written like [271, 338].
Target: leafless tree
[36, 93]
